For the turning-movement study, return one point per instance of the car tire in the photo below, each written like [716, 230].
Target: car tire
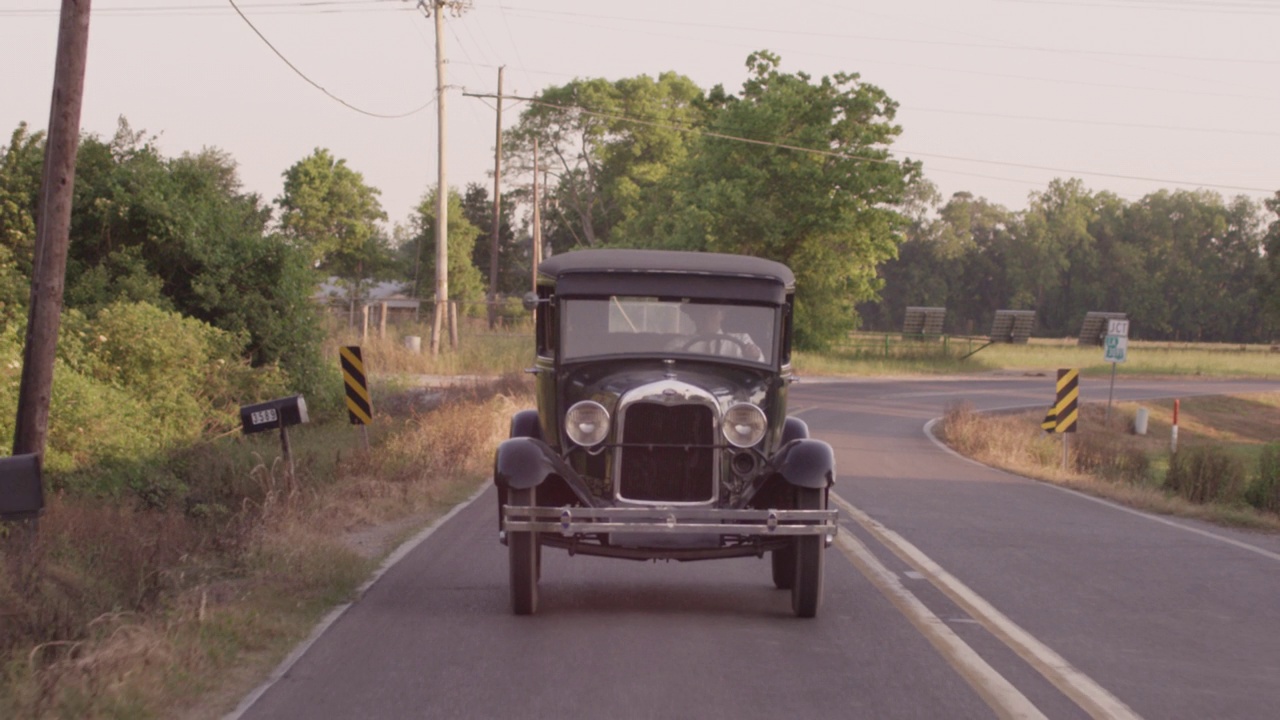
[784, 567]
[524, 554]
[806, 592]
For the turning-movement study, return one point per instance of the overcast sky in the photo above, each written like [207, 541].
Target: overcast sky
[997, 96]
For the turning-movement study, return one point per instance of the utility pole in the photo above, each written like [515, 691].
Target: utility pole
[53, 228]
[436, 9]
[535, 253]
[442, 189]
[497, 211]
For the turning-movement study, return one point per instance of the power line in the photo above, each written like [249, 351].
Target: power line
[847, 156]
[519, 60]
[933, 68]
[316, 85]
[1217, 7]
[1106, 123]
[909, 41]
[309, 7]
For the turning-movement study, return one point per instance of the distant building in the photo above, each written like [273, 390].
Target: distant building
[379, 303]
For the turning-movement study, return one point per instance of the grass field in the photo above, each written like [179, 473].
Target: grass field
[508, 349]
[891, 354]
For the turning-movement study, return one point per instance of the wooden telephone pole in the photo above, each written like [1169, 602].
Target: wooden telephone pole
[535, 252]
[436, 8]
[497, 212]
[53, 228]
[442, 189]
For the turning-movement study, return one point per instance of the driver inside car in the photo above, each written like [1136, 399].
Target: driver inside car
[713, 339]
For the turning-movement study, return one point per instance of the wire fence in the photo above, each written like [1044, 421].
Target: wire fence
[412, 318]
[907, 345]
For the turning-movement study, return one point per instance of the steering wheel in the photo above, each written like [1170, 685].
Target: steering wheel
[711, 339]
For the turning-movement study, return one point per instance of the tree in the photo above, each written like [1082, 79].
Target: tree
[983, 240]
[513, 257]
[1201, 261]
[20, 164]
[466, 283]
[830, 212]
[1062, 266]
[180, 235]
[328, 210]
[968, 259]
[1270, 281]
[601, 144]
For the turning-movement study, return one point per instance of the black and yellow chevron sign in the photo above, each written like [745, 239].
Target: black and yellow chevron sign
[359, 407]
[1062, 416]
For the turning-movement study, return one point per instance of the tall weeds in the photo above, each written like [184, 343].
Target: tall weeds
[1205, 474]
[1264, 493]
[124, 608]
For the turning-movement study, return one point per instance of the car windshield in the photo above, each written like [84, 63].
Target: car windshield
[646, 325]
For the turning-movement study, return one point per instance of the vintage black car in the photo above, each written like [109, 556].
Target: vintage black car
[661, 430]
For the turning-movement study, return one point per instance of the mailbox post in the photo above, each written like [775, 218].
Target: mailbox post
[275, 414]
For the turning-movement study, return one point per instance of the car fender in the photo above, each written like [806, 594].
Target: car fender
[794, 429]
[806, 462]
[525, 424]
[525, 462]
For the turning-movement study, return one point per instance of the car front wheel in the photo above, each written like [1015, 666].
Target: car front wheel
[524, 555]
[806, 591]
[784, 567]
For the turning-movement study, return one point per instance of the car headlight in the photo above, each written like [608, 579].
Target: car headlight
[587, 423]
[744, 425]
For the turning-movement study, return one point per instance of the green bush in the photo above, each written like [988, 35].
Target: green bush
[1264, 493]
[1204, 475]
[129, 384]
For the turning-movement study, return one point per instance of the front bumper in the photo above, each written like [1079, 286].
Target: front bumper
[575, 521]
[672, 533]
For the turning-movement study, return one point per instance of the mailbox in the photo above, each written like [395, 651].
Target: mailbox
[273, 414]
[21, 489]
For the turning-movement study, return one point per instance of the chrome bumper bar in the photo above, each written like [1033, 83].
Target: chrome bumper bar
[660, 520]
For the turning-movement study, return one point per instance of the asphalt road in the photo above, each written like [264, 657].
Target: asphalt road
[954, 591]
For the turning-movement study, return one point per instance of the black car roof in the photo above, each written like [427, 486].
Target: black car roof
[669, 272]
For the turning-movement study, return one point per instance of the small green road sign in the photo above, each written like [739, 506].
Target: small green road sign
[1117, 347]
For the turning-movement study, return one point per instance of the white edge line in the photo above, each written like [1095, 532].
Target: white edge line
[928, 431]
[991, 686]
[328, 620]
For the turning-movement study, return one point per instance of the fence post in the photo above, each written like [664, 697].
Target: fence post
[453, 324]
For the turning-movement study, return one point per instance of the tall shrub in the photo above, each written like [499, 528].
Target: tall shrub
[1264, 493]
[1205, 474]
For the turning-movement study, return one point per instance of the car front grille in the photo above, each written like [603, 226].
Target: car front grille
[667, 453]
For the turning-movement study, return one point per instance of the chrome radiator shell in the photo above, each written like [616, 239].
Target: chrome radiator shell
[667, 449]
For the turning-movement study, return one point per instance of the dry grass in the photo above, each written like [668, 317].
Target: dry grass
[1114, 463]
[505, 349]
[120, 612]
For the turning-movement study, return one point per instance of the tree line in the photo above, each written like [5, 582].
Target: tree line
[790, 167]
[1184, 265]
[798, 170]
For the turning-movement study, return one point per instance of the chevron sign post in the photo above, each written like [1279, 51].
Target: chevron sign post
[1062, 416]
[359, 406]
